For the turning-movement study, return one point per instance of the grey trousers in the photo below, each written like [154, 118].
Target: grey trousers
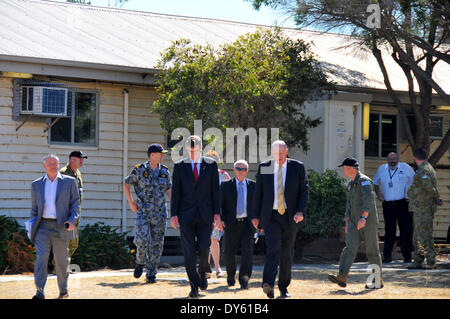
[48, 238]
[368, 234]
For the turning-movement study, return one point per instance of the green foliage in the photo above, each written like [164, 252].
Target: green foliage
[13, 243]
[259, 81]
[102, 246]
[326, 207]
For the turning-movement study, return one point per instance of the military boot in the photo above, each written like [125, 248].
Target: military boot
[138, 271]
[340, 279]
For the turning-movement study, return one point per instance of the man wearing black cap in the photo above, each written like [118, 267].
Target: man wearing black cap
[151, 182]
[76, 159]
[361, 224]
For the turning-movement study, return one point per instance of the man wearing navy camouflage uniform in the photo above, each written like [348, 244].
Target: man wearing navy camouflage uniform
[151, 182]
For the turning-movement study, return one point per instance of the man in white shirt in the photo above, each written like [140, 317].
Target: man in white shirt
[391, 184]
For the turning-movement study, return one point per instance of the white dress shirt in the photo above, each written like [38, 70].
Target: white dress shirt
[401, 178]
[275, 183]
[244, 184]
[50, 196]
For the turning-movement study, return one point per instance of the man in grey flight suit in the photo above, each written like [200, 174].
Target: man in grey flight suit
[361, 223]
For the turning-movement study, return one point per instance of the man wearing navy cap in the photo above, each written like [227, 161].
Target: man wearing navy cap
[361, 224]
[151, 182]
[76, 159]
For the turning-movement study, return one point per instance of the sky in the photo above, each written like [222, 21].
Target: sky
[233, 10]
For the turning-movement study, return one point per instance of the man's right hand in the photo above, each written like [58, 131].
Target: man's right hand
[174, 222]
[133, 207]
[255, 222]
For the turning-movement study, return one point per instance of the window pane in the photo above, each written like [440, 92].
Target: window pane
[60, 132]
[389, 135]
[85, 118]
[371, 145]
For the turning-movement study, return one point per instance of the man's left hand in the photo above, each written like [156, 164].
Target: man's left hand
[298, 217]
[361, 224]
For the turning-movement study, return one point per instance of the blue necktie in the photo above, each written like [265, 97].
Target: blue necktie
[240, 200]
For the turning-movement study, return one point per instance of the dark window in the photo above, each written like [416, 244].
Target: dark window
[382, 135]
[81, 127]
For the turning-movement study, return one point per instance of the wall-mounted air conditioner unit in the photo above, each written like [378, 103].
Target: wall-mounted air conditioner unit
[43, 101]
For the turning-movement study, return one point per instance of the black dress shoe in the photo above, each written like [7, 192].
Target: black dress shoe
[231, 282]
[138, 271]
[285, 294]
[268, 290]
[193, 293]
[387, 260]
[38, 296]
[407, 261]
[244, 282]
[203, 282]
[151, 279]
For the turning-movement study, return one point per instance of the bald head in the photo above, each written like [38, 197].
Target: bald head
[392, 160]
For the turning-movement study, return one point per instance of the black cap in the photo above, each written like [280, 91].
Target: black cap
[156, 148]
[77, 154]
[349, 161]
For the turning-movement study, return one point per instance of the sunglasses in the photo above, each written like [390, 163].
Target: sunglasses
[240, 169]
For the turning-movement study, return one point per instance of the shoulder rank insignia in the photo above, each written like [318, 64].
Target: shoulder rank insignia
[146, 173]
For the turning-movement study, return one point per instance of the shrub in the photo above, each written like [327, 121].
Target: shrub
[17, 255]
[102, 246]
[326, 207]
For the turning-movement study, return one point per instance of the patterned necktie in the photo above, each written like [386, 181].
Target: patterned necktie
[280, 192]
[240, 200]
[195, 172]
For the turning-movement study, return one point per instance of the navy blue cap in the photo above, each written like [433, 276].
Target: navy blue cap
[156, 148]
[349, 161]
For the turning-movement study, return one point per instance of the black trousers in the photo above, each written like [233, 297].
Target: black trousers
[396, 212]
[195, 234]
[239, 233]
[280, 243]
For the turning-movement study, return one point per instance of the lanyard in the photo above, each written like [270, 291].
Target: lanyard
[391, 176]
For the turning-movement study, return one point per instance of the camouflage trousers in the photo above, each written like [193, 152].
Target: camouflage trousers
[149, 241]
[73, 243]
[423, 236]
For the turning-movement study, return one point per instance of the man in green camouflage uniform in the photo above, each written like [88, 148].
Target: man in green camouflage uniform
[151, 182]
[76, 159]
[361, 223]
[423, 200]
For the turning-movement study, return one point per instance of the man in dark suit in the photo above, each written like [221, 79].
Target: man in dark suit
[55, 203]
[236, 200]
[195, 204]
[281, 197]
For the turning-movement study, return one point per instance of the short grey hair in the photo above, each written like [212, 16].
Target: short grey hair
[46, 157]
[240, 162]
[193, 141]
[279, 143]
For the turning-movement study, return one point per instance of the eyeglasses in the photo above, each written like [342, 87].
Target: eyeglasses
[240, 169]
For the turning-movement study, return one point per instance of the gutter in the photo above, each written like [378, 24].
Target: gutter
[125, 158]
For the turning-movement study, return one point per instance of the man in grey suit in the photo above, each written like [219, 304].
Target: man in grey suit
[55, 203]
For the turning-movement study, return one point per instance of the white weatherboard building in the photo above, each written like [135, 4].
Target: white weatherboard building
[101, 63]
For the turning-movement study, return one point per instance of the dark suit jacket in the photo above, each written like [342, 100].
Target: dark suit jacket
[189, 197]
[67, 204]
[228, 200]
[295, 191]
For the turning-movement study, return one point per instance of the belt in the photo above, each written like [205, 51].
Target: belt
[395, 201]
[49, 219]
[241, 219]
